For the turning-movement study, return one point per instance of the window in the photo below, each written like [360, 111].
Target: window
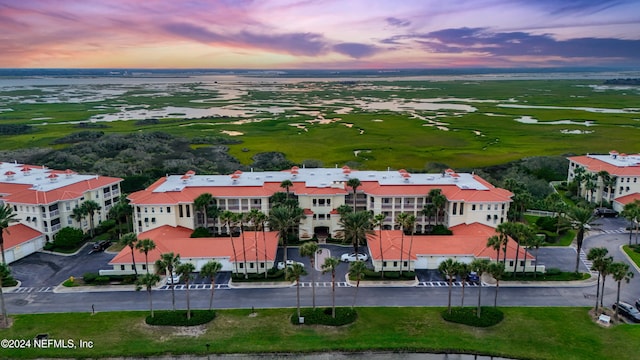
[262, 265]
[153, 220]
[241, 265]
[461, 208]
[188, 210]
[480, 206]
[473, 207]
[251, 265]
[146, 209]
[121, 267]
[511, 263]
[180, 211]
[168, 210]
[144, 266]
[489, 217]
[146, 220]
[153, 210]
[522, 263]
[455, 208]
[133, 267]
[395, 264]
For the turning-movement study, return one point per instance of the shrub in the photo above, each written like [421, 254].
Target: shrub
[89, 278]
[322, 316]
[101, 280]
[553, 271]
[68, 238]
[440, 230]
[489, 316]
[104, 226]
[547, 223]
[200, 232]
[179, 318]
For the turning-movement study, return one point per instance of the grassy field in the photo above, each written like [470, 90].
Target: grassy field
[526, 333]
[397, 132]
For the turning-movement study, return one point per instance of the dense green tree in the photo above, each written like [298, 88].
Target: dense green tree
[68, 238]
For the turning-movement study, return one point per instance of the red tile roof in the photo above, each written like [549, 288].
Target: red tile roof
[23, 194]
[178, 241]
[467, 240]
[627, 199]
[596, 165]
[18, 234]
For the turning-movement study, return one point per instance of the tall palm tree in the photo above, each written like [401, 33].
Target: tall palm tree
[355, 228]
[378, 220]
[428, 211]
[202, 203]
[242, 218]
[496, 270]
[144, 246]
[631, 212]
[130, 240]
[78, 214]
[536, 242]
[252, 218]
[357, 270]
[91, 207]
[166, 264]
[581, 219]
[4, 272]
[286, 184]
[620, 271]
[261, 220]
[401, 219]
[210, 270]
[605, 270]
[354, 184]
[148, 281]
[282, 219]
[230, 219]
[7, 217]
[611, 187]
[449, 269]
[184, 270]
[438, 200]
[295, 272]
[604, 177]
[597, 257]
[495, 243]
[310, 249]
[578, 177]
[592, 185]
[330, 265]
[463, 271]
[410, 223]
[480, 266]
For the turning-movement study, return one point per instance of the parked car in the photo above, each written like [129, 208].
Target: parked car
[638, 304]
[101, 246]
[350, 257]
[605, 212]
[628, 311]
[473, 277]
[173, 279]
[289, 264]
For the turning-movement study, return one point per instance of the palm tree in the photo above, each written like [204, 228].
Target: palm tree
[631, 212]
[581, 219]
[260, 220]
[294, 274]
[330, 265]
[428, 211]
[355, 227]
[130, 240]
[357, 270]
[611, 186]
[252, 218]
[354, 184]
[4, 272]
[410, 223]
[210, 270]
[495, 243]
[286, 184]
[438, 200]
[148, 281]
[378, 221]
[449, 269]
[241, 219]
[401, 219]
[496, 270]
[184, 270]
[605, 270]
[604, 177]
[536, 242]
[144, 246]
[167, 263]
[578, 177]
[118, 211]
[480, 266]
[7, 217]
[620, 271]
[201, 203]
[283, 218]
[90, 207]
[463, 271]
[592, 185]
[520, 233]
[78, 214]
[230, 218]
[597, 257]
[310, 249]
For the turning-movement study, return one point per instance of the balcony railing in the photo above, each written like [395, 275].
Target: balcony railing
[56, 227]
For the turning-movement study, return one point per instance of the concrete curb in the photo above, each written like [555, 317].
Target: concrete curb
[371, 283]
[629, 258]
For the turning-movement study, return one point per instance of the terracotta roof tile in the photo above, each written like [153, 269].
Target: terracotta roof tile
[17, 234]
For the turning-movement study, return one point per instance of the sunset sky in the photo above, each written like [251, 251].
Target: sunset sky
[318, 34]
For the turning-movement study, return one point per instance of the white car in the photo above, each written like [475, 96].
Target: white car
[289, 264]
[173, 279]
[350, 257]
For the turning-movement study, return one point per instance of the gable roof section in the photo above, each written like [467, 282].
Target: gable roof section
[467, 240]
[18, 234]
[595, 165]
[26, 194]
[177, 240]
[627, 199]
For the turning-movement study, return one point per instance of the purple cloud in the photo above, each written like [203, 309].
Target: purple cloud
[397, 22]
[355, 50]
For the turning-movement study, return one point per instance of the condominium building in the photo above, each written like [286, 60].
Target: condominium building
[321, 192]
[623, 186]
[43, 199]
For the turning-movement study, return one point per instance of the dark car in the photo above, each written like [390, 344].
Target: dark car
[473, 277]
[628, 311]
[638, 304]
[101, 245]
[604, 212]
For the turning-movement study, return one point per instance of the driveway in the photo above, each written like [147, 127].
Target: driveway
[45, 269]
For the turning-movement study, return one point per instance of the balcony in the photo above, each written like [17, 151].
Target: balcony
[55, 227]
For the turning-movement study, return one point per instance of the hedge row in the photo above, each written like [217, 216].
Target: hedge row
[489, 316]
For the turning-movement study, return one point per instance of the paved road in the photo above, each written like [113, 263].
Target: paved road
[37, 296]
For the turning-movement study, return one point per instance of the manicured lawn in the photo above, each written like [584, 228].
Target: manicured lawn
[635, 256]
[531, 333]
